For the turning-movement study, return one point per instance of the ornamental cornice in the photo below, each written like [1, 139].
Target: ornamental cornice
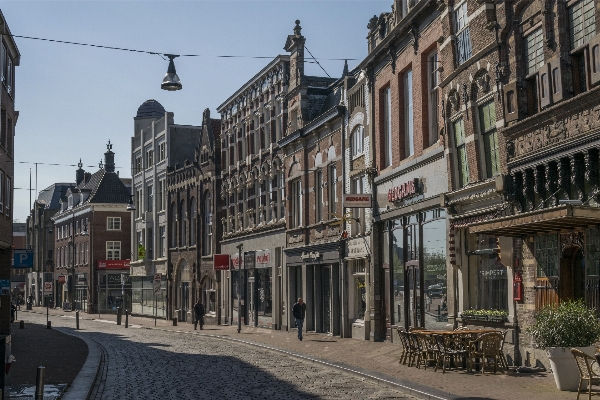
[473, 193]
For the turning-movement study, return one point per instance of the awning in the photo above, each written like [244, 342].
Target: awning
[563, 217]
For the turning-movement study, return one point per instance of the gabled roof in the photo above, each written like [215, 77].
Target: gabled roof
[106, 187]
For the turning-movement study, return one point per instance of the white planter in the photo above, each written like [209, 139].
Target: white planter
[564, 367]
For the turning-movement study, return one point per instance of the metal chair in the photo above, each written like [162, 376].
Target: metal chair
[585, 371]
[485, 348]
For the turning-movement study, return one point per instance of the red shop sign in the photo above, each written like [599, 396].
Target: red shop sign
[62, 279]
[403, 191]
[221, 262]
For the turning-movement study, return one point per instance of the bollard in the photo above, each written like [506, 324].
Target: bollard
[48, 324]
[174, 321]
[21, 324]
[126, 318]
[118, 315]
[77, 319]
[39, 383]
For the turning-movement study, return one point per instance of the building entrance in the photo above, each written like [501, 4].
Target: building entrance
[326, 304]
[572, 274]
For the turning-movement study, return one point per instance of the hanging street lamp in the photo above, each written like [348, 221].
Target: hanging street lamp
[171, 81]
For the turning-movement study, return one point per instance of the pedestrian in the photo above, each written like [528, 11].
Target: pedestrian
[199, 310]
[299, 312]
[13, 310]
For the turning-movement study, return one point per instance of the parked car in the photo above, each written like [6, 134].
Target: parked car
[434, 291]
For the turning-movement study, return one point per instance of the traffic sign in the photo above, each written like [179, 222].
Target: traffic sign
[47, 287]
[23, 258]
[157, 282]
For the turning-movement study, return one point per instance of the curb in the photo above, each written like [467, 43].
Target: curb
[420, 391]
[82, 385]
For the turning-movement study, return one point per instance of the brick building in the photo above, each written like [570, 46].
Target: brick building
[17, 276]
[193, 192]
[9, 59]
[252, 196]
[92, 242]
[157, 143]
[549, 70]
[409, 232]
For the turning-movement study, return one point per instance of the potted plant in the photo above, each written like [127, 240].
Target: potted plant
[557, 329]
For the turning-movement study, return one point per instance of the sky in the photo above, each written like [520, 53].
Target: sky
[73, 99]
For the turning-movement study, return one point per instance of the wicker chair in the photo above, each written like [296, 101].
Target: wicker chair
[428, 350]
[403, 335]
[584, 363]
[485, 348]
[502, 356]
[414, 349]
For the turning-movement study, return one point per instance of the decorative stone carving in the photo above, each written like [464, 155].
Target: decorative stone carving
[578, 175]
[454, 100]
[392, 54]
[240, 221]
[564, 178]
[224, 223]
[483, 83]
[529, 190]
[591, 171]
[540, 184]
[551, 183]
[373, 23]
[571, 239]
[414, 33]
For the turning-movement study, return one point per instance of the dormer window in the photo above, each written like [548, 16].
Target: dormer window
[70, 201]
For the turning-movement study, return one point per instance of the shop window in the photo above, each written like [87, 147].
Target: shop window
[463, 34]
[359, 296]
[546, 255]
[492, 280]
[265, 299]
[434, 268]
[394, 248]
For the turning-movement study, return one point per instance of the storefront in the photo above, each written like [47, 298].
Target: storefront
[81, 291]
[314, 274]
[114, 286]
[357, 261]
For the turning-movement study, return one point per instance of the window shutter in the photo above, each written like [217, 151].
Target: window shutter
[594, 52]
[555, 79]
[544, 86]
[511, 102]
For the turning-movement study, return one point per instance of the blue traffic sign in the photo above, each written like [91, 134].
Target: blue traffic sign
[23, 258]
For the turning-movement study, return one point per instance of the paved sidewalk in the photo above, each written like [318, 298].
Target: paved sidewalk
[380, 358]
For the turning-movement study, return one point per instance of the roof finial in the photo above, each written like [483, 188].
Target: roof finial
[101, 165]
[109, 146]
[80, 164]
[297, 28]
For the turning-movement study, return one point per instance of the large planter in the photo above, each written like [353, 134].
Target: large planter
[564, 367]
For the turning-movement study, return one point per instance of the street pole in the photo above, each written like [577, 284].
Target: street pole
[240, 261]
[73, 308]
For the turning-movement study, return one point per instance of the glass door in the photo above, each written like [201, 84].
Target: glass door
[325, 290]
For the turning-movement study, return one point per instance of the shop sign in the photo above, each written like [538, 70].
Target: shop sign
[249, 260]
[221, 262]
[313, 255]
[117, 279]
[263, 258]
[5, 287]
[498, 273]
[235, 261]
[62, 279]
[356, 248]
[357, 200]
[405, 190]
[113, 264]
[47, 287]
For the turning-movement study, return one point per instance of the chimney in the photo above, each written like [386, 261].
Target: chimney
[88, 176]
[79, 174]
[109, 159]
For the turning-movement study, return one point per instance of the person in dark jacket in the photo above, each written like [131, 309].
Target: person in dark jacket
[199, 310]
[299, 312]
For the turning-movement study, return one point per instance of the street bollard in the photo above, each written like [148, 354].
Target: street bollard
[118, 315]
[49, 325]
[174, 321]
[126, 318]
[21, 324]
[39, 383]
[77, 319]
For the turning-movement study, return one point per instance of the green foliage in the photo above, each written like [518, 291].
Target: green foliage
[488, 314]
[569, 324]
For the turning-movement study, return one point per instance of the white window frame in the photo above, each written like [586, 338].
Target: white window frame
[358, 141]
[149, 157]
[534, 50]
[113, 250]
[296, 202]
[162, 151]
[332, 190]
[113, 223]
[409, 123]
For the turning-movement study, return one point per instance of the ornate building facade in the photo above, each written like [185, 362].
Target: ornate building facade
[193, 194]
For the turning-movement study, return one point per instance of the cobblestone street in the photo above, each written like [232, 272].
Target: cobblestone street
[151, 364]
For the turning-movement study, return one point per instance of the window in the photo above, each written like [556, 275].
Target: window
[582, 23]
[113, 223]
[7, 70]
[534, 55]
[182, 223]
[461, 153]
[2, 70]
[150, 243]
[357, 186]
[149, 158]
[1, 191]
[77, 229]
[162, 151]
[8, 195]
[409, 139]
[510, 101]
[113, 250]
[296, 203]
[193, 221]
[433, 100]
[546, 255]
[487, 121]
[281, 178]
[87, 253]
[319, 195]
[463, 35]
[138, 206]
[160, 196]
[492, 278]
[208, 225]
[332, 190]
[174, 225]
[358, 138]
[387, 127]
[3, 130]
[161, 241]
[149, 198]
[137, 164]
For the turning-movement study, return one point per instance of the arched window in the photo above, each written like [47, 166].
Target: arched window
[193, 221]
[182, 223]
[208, 223]
[358, 139]
[173, 225]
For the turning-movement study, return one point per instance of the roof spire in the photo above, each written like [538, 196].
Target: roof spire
[345, 73]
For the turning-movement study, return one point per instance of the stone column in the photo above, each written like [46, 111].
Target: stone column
[540, 185]
[552, 183]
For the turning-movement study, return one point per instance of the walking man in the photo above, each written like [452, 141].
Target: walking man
[199, 310]
[299, 311]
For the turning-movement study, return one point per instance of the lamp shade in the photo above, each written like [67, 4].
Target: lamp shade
[171, 81]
